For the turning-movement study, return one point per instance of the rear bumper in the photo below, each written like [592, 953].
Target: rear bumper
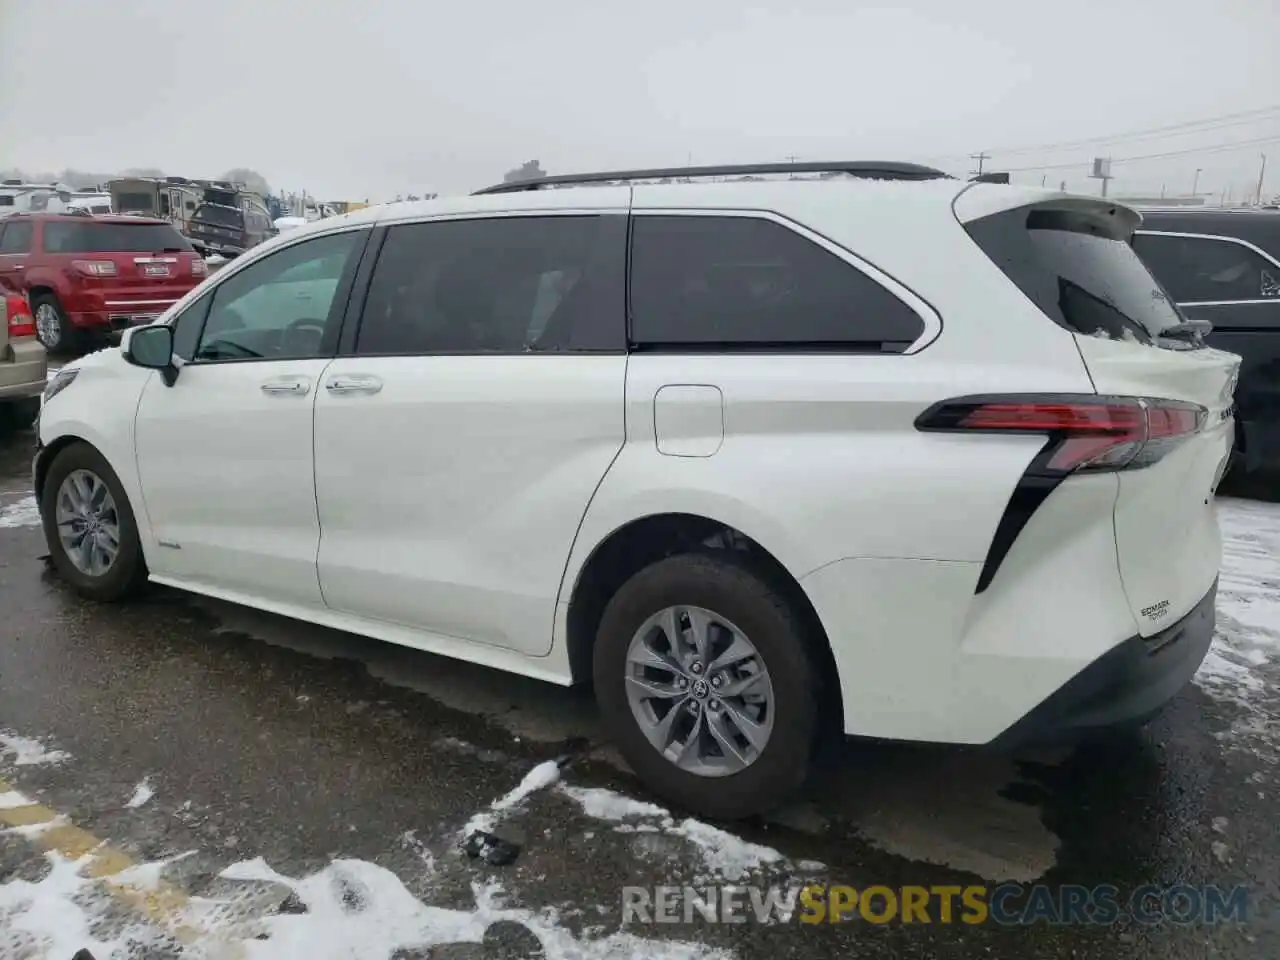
[1128, 684]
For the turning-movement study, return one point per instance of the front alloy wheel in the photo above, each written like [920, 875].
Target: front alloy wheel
[89, 525]
[88, 522]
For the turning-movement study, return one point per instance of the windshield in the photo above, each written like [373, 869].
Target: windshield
[222, 216]
[135, 202]
[68, 237]
[1082, 277]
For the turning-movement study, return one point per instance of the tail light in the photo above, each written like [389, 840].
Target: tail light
[16, 316]
[199, 268]
[1085, 434]
[94, 268]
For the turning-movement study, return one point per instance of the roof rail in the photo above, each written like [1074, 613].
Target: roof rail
[887, 170]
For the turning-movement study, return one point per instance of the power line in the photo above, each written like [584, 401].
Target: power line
[1206, 124]
[1217, 148]
[1225, 120]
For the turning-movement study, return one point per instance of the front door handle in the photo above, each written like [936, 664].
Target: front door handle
[298, 387]
[353, 384]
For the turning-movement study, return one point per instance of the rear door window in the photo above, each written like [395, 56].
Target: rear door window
[1082, 276]
[1208, 269]
[748, 282]
[504, 285]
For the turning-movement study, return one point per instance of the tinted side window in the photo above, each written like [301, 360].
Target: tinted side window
[186, 329]
[1202, 269]
[265, 312]
[747, 281]
[17, 237]
[506, 285]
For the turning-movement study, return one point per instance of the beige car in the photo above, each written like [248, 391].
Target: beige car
[23, 365]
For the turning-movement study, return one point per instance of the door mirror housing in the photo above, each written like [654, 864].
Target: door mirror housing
[151, 347]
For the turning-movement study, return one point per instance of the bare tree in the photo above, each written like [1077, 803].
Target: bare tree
[530, 170]
[252, 179]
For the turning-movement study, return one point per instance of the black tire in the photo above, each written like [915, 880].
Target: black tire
[18, 414]
[128, 573]
[731, 588]
[70, 340]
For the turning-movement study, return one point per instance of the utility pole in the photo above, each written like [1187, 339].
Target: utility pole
[1196, 181]
[1043, 179]
[1262, 172]
[981, 158]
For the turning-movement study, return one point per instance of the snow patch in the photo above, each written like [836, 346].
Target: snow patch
[23, 513]
[141, 794]
[540, 777]
[12, 800]
[355, 908]
[724, 854]
[61, 914]
[1246, 648]
[24, 751]
[351, 908]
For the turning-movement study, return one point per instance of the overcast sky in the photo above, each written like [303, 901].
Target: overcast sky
[366, 99]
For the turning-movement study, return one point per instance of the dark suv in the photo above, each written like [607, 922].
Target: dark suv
[228, 231]
[1223, 266]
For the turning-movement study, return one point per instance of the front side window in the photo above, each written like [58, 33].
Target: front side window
[284, 306]
[504, 285]
[17, 237]
[187, 326]
[1207, 269]
[733, 281]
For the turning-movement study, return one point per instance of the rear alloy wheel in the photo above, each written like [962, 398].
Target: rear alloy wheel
[53, 329]
[704, 676]
[90, 527]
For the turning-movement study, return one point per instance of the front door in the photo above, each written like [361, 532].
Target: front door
[460, 441]
[225, 454]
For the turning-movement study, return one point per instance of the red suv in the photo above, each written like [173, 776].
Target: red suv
[94, 276]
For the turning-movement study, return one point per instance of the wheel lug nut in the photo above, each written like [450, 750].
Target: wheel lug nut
[696, 667]
[682, 682]
[714, 706]
[693, 706]
[717, 681]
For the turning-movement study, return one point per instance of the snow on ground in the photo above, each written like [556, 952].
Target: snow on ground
[24, 751]
[724, 855]
[22, 513]
[540, 777]
[1246, 649]
[351, 908]
[141, 794]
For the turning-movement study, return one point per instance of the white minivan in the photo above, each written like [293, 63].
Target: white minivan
[873, 451]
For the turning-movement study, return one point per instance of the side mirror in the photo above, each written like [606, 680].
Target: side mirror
[151, 347]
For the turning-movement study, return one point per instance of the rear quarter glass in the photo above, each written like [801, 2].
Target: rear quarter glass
[1079, 270]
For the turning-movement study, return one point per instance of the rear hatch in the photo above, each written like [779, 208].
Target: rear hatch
[135, 268]
[1072, 258]
[218, 226]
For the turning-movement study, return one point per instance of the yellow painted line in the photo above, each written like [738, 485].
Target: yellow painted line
[163, 905]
